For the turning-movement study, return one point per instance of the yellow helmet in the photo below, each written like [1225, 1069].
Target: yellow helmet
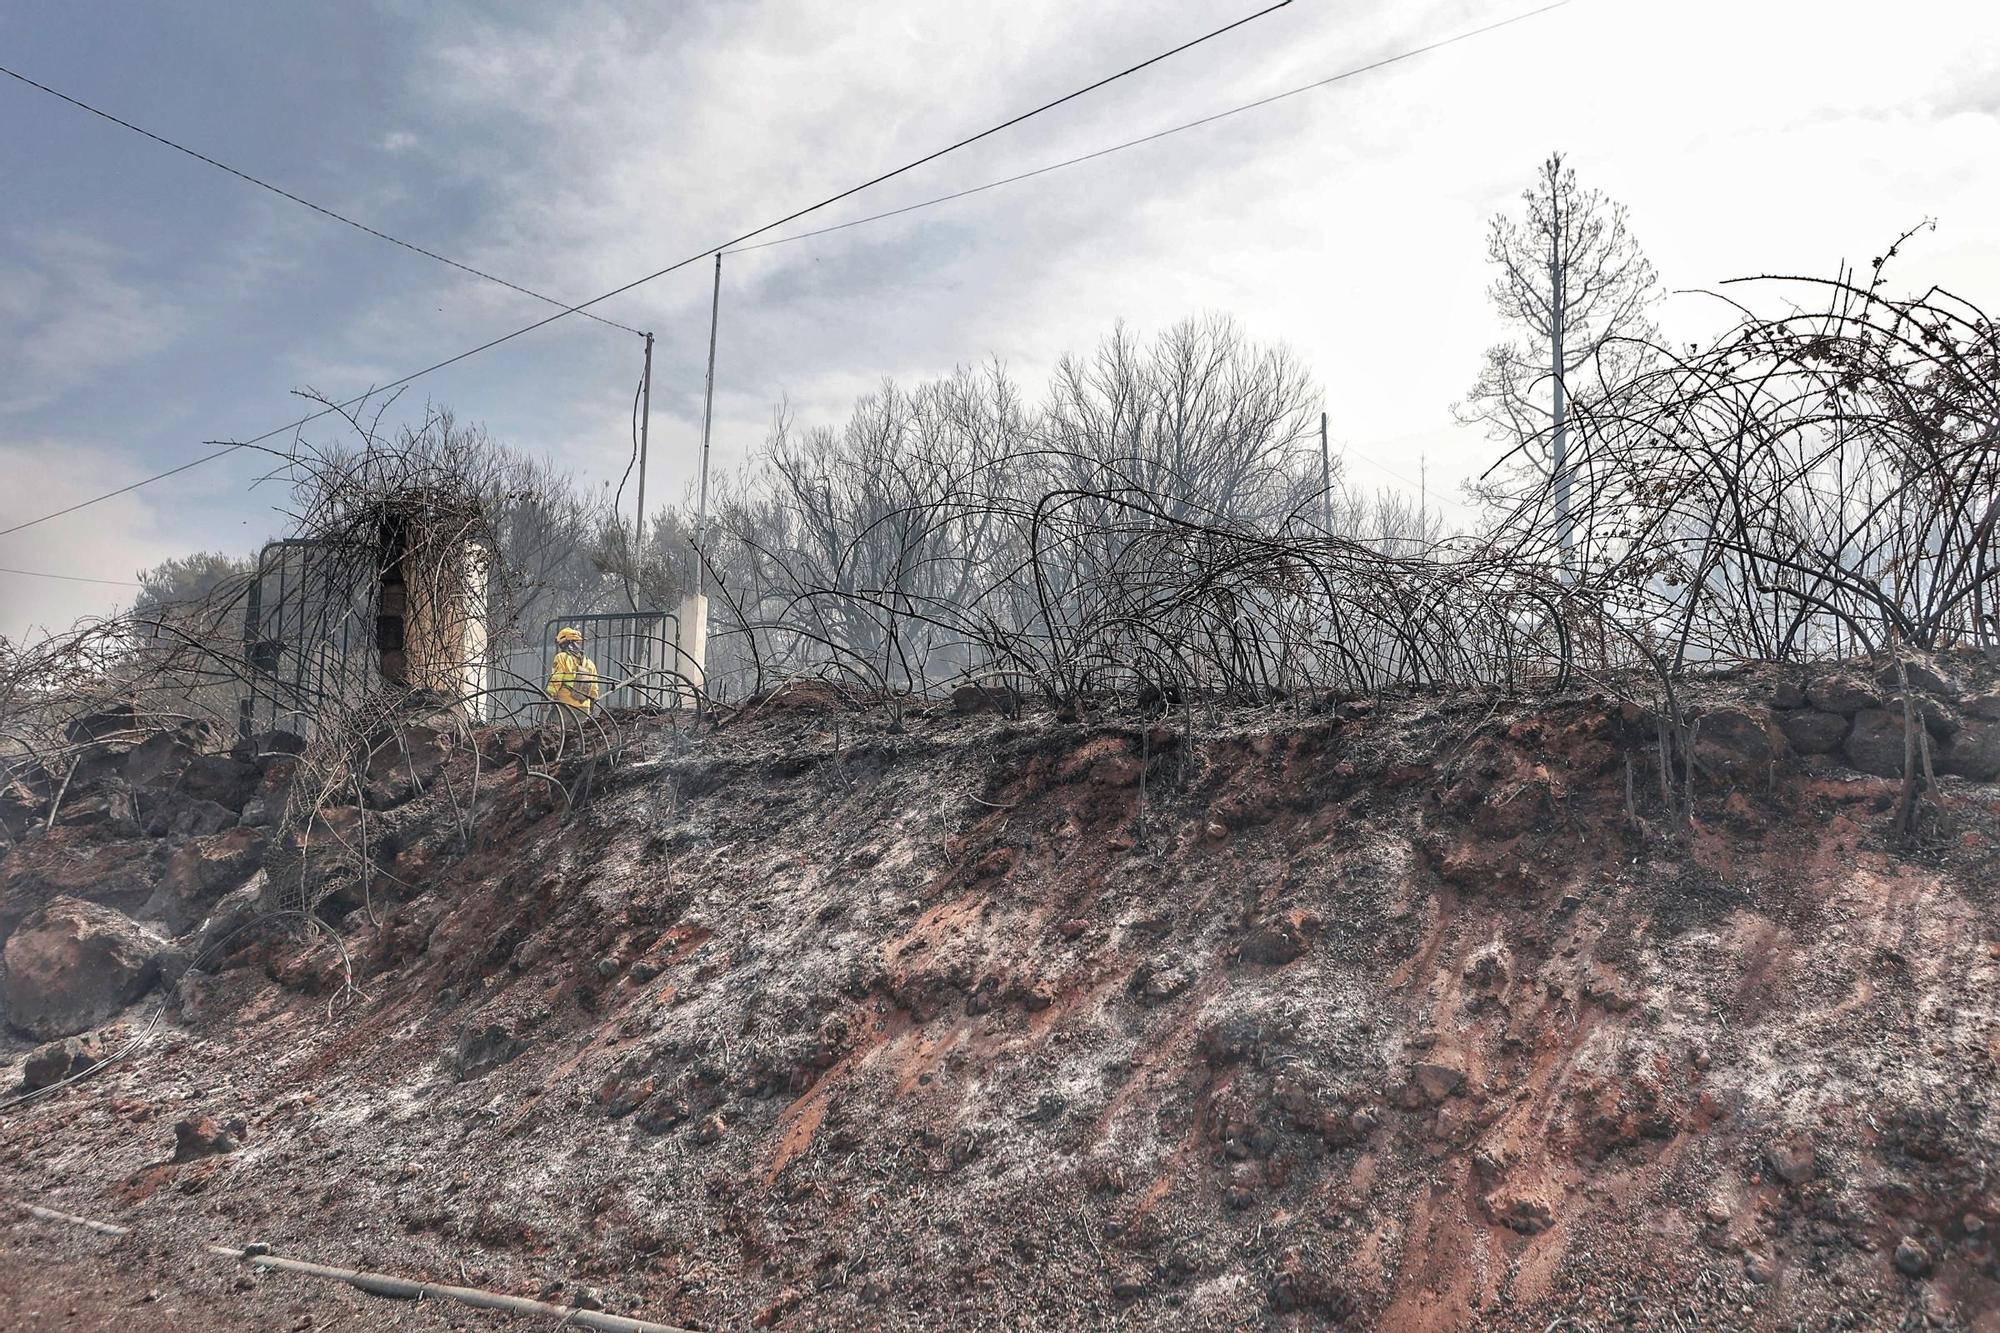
[567, 634]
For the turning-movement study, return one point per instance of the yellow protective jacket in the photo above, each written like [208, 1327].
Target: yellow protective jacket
[573, 680]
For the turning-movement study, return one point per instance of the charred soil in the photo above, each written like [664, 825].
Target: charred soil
[1405, 1015]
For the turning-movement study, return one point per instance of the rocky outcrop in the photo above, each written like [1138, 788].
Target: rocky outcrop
[1974, 752]
[88, 863]
[1876, 742]
[156, 825]
[221, 778]
[1737, 744]
[1928, 677]
[404, 763]
[200, 872]
[160, 759]
[266, 746]
[175, 814]
[73, 965]
[1842, 694]
[1857, 716]
[227, 924]
[971, 699]
[115, 723]
[19, 805]
[50, 1064]
[1853, 715]
[110, 808]
[484, 1047]
[199, 1136]
[1810, 731]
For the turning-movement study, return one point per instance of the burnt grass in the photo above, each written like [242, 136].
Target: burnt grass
[1388, 1017]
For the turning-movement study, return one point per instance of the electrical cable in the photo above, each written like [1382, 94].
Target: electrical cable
[632, 568]
[68, 578]
[1410, 54]
[618, 499]
[232, 446]
[170, 472]
[1438, 497]
[307, 203]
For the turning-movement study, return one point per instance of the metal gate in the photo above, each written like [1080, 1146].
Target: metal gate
[308, 635]
[636, 654]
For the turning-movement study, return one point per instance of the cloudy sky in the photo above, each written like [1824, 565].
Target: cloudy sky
[149, 303]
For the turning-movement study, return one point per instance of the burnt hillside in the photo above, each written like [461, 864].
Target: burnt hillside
[1399, 1014]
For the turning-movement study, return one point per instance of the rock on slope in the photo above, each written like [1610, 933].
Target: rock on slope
[72, 965]
[1391, 1018]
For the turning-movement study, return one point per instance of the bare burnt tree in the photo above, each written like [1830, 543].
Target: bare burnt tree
[1574, 283]
[898, 550]
[1391, 521]
[1157, 528]
[1207, 424]
[1814, 482]
[898, 506]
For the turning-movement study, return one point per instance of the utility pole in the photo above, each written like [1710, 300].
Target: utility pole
[1325, 476]
[693, 625]
[707, 420]
[645, 424]
[1423, 499]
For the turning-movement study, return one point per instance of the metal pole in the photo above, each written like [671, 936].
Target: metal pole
[1325, 474]
[253, 630]
[707, 420]
[645, 423]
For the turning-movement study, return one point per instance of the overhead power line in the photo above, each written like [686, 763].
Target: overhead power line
[283, 193]
[1410, 54]
[160, 476]
[1211, 119]
[68, 578]
[795, 215]
[1430, 496]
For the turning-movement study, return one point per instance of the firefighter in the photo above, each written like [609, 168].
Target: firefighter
[573, 679]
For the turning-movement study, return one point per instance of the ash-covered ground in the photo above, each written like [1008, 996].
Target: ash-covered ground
[1406, 1014]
